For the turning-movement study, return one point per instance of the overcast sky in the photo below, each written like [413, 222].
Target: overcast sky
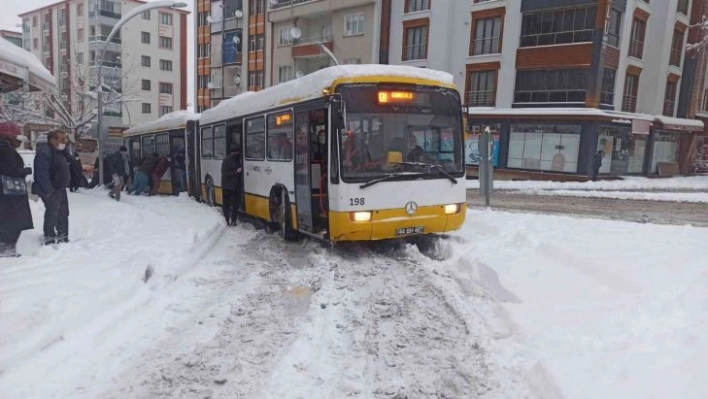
[9, 20]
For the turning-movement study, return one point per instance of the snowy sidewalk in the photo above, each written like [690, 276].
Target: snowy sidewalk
[52, 300]
[627, 183]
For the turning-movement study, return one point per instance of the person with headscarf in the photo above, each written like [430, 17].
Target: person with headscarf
[15, 214]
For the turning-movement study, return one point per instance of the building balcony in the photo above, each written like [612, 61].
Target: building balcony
[287, 10]
[231, 23]
[105, 13]
[309, 47]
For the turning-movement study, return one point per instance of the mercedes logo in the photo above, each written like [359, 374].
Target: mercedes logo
[411, 208]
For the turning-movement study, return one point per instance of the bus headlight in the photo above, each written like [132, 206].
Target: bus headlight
[452, 209]
[360, 216]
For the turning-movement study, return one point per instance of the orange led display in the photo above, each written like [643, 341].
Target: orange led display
[389, 97]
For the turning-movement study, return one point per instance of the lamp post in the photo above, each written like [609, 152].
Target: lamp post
[99, 81]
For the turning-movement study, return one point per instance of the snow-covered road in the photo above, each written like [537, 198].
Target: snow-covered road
[521, 306]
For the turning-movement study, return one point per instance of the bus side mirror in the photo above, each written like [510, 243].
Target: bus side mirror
[338, 120]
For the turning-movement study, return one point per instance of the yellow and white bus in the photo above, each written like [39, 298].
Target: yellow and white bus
[347, 153]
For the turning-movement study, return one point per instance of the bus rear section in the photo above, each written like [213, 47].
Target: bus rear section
[399, 168]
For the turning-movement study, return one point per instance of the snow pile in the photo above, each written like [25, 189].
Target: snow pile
[587, 308]
[121, 256]
[173, 120]
[628, 183]
[311, 86]
[628, 195]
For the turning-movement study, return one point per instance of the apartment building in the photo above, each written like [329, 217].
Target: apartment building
[12, 37]
[146, 62]
[558, 80]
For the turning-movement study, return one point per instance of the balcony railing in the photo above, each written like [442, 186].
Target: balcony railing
[488, 45]
[636, 49]
[629, 103]
[107, 64]
[106, 13]
[312, 40]
[115, 39]
[675, 57]
[289, 3]
[415, 52]
[231, 23]
[480, 98]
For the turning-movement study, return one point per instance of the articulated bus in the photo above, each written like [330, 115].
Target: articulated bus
[165, 136]
[347, 153]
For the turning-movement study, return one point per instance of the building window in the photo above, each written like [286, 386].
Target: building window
[482, 89]
[551, 86]
[551, 147]
[354, 25]
[145, 61]
[607, 97]
[666, 149]
[165, 88]
[35, 43]
[682, 7]
[255, 139]
[614, 28]
[166, 65]
[145, 15]
[165, 18]
[676, 49]
[256, 42]
[80, 58]
[80, 10]
[145, 37]
[636, 43]
[415, 46]
[487, 36]
[256, 7]
[80, 35]
[147, 108]
[166, 42]
[34, 21]
[147, 85]
[416, 5]
[705, 100]
[568, 25]
[285, 73]
[165, 109]
[631, 87]
[230, 48]
[669, 98]
[284, 38]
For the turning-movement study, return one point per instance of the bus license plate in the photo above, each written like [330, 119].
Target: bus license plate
[409, 230]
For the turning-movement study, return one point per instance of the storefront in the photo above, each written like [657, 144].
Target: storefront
[564, 141]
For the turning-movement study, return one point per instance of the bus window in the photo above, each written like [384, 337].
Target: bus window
[162, 144]
[220, 142]
[255, 139]
[280, 136]
[207, 143]
[148, 145]
[134, 149]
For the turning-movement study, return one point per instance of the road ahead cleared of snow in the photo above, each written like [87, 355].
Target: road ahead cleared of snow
[513, 306]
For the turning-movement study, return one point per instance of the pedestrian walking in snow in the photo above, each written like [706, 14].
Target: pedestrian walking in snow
[142, 175]
[52, 177]
[597, 164]
[15, 214]
[119, 165]
[162, 165]
[231, 168]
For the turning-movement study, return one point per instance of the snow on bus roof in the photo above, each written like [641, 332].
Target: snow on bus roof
[173, 120]
[311, 86]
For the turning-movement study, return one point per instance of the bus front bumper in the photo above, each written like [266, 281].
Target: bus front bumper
[395, 224]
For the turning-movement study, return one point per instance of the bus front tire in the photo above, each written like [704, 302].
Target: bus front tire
[281, 217]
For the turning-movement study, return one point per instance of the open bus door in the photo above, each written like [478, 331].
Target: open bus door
[235, 134]
[303, 177]
[193, 175]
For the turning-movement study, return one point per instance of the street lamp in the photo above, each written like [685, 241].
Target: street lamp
[99, 82]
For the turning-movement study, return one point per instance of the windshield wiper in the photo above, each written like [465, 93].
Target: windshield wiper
[384, 178]
[429, 166]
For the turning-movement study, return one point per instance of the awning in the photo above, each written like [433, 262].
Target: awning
[18, 67]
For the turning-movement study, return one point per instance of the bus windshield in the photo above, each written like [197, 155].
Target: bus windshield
[392, 130]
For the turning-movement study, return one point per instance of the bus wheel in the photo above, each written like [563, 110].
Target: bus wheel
[210, 192]
[280, 215]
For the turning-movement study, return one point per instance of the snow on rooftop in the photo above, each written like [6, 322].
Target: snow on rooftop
[173, 120]
[667, 120]
[19, 56]
[311, 86]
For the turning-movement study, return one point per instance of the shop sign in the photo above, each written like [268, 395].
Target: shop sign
[640, 126]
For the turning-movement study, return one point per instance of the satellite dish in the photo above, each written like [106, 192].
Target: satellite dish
[236, 40]
[273, 3]
[210, 19]
[210, 85]
[299, 74]
[238, 13]
[295, 33]
[237, 80]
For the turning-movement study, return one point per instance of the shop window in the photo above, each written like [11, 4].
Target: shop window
[472, 156]
[624, 152]
[666, 147]
[549, 147]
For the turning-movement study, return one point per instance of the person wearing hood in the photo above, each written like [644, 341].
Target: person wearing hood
[52, 177]
[119, 165]
[15, 214]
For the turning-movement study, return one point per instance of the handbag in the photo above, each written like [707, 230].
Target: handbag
[13, 186]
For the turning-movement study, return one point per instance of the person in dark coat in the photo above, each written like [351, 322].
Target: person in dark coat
[180, 168]
[119, 167]
[52, 177]
[231, 168]
[162, 165]
[142, 175]
[77, 173]
[15, 214]
[597, 164]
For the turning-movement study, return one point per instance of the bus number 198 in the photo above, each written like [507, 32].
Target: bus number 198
[356, 201]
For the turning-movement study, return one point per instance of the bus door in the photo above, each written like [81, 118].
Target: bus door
[178, 169]
[193, 176]
[235, 134]
[303, 177]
